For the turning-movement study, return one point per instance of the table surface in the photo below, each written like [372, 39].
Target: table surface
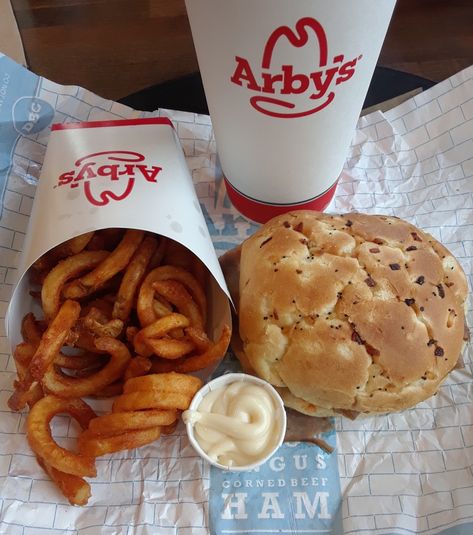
[118, 47]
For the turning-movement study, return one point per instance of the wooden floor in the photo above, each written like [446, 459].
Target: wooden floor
[117, 47]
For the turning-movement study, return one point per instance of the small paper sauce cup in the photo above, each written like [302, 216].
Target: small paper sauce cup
[227, 379]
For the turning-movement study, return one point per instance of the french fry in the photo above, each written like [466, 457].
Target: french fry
[195, 362]
[30, 329]
[82, 361]
[168, 348]
[115, 262]
[66, 269]
[73, 246]
[95, 446]
[53, 338]
[26, 389]
[158, 256]
[199, 338]
[132, 278]
[42, 443]
[117, 423]
[137, 367]
[20, 397]
[176, 294]
[110, 391]
[151, 399]
[74, 488]
[166, 382]
[145, 310]
[75, 387]
[157, 329]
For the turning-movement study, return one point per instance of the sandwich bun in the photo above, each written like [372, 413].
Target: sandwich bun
[349, 313]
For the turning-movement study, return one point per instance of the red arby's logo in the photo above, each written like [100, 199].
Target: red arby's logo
[285, 92]
[109, 175]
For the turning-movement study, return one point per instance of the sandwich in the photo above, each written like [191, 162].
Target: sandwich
[347, 314]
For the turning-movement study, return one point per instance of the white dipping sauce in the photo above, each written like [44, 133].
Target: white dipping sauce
[236, 424]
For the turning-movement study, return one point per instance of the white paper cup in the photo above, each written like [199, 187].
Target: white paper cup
[285, 82]
[227, 379]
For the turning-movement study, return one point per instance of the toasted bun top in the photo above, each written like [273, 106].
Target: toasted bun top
[352, 312]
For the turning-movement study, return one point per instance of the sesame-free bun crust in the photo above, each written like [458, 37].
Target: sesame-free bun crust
[355, 312]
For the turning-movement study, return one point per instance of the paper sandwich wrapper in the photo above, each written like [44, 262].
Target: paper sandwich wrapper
[106, 174]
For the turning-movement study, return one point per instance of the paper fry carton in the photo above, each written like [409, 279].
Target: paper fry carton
[116, 174]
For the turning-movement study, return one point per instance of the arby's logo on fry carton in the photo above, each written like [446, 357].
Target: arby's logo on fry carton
[109, 175]
[284, 91]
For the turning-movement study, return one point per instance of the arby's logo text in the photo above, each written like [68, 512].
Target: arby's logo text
[108, 176]
[285, 92]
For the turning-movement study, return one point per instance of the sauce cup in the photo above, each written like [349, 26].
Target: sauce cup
[225, 381]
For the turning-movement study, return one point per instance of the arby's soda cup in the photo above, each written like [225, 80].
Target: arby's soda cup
[285, 82]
